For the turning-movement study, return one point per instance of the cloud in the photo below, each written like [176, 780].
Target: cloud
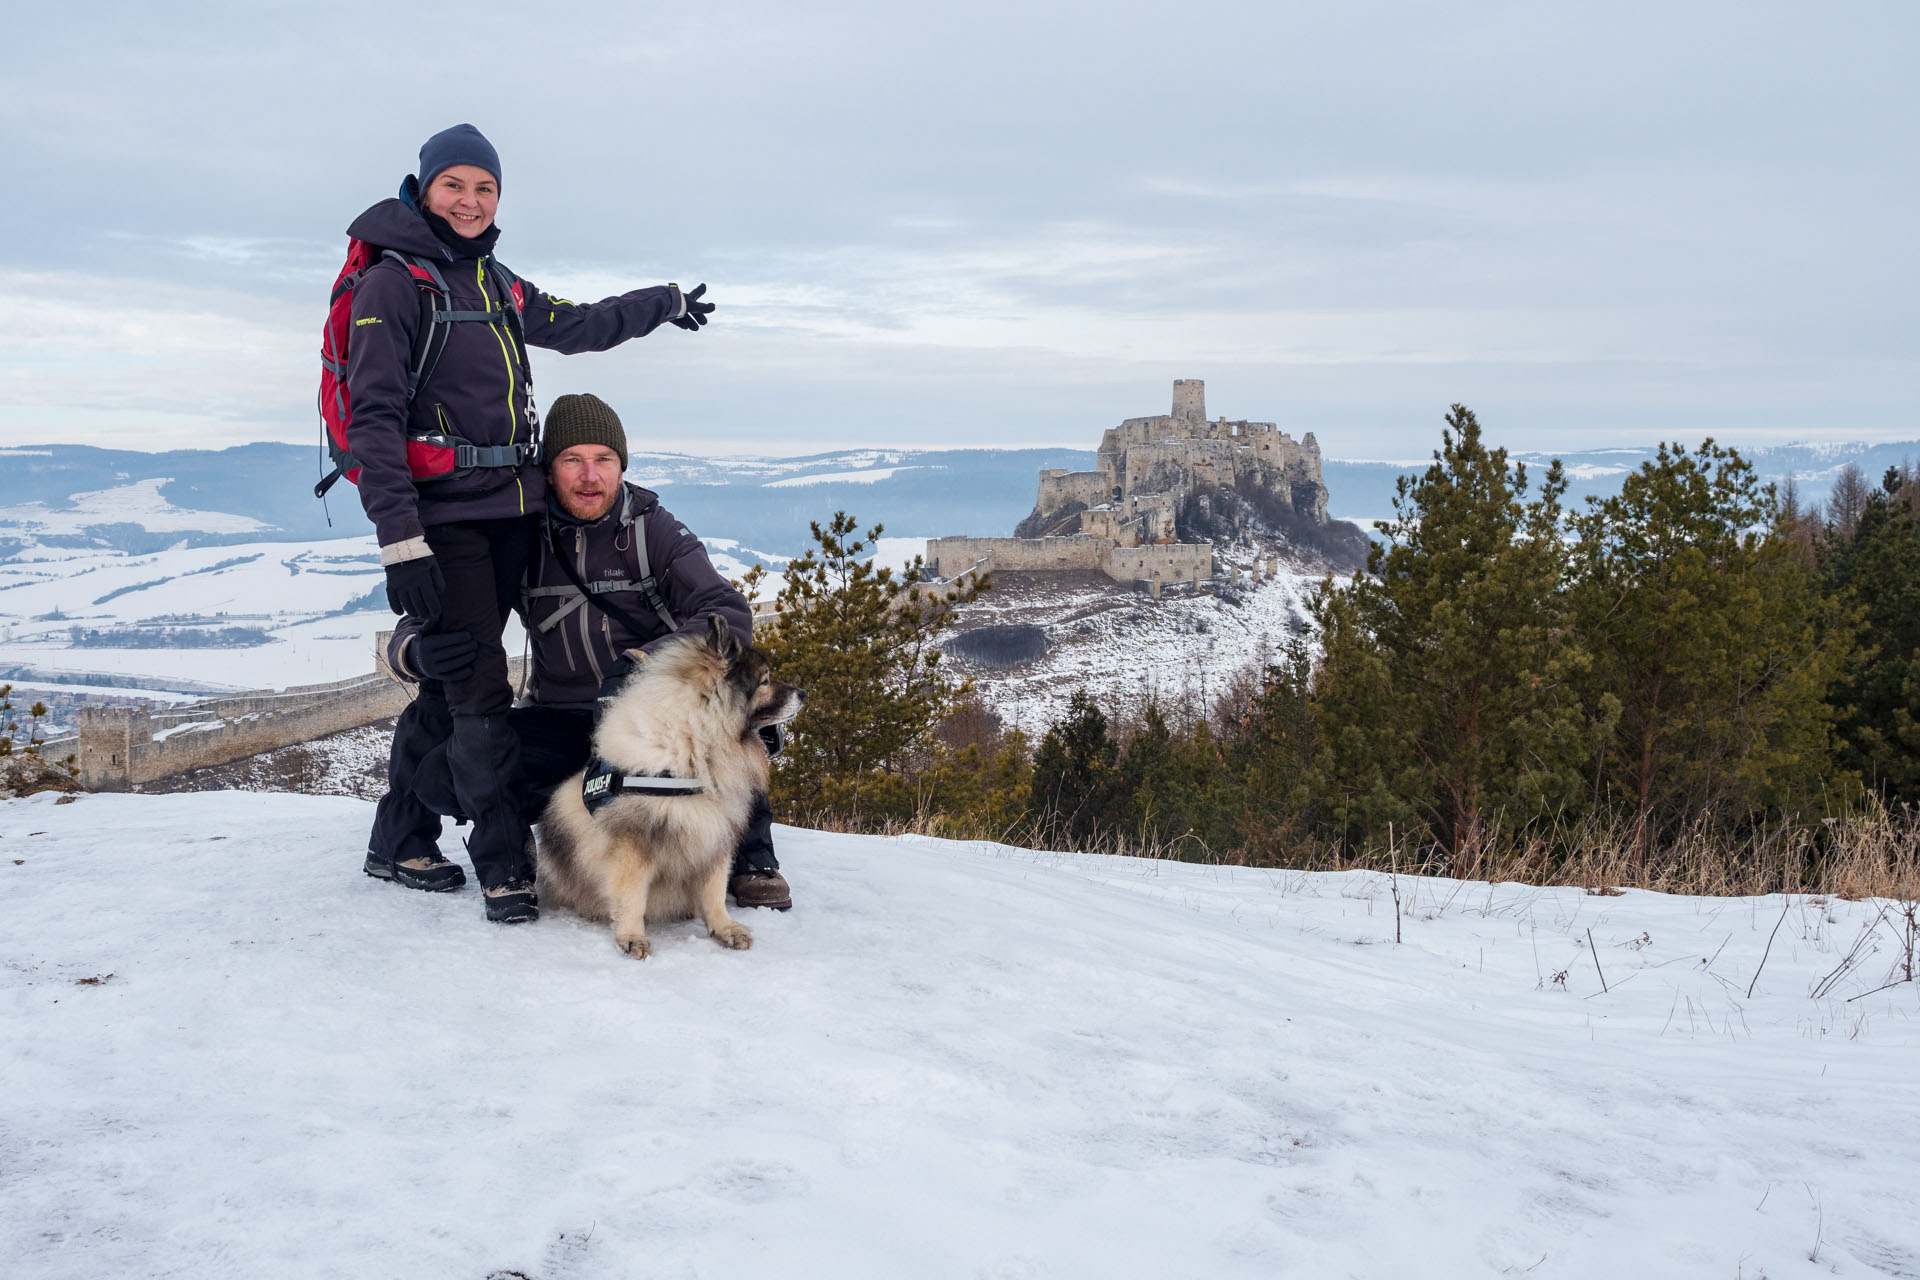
[996, 219]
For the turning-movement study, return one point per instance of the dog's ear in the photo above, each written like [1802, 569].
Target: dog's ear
[720, 637]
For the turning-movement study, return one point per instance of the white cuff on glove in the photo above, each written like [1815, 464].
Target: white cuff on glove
[401, 552]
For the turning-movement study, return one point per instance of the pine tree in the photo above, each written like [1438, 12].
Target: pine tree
[979, 791]
[1878, 569]
[1078, 793]
[1270, 749]
[859, 640]
[1710, 637]
[1444, 692]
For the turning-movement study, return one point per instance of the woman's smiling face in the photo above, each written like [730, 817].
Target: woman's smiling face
[467, 196]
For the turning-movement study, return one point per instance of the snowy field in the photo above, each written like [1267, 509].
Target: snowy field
[139, 503]
[303, 595]
[227, 1053]
[308, 597]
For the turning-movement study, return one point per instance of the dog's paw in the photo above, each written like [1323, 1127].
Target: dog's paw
[735, 936]
[637, 945]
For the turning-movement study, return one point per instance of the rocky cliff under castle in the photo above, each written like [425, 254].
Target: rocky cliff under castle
[1165, 488]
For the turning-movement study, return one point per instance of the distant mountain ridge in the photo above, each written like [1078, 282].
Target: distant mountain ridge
[763, 503]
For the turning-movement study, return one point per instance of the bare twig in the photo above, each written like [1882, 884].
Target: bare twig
[1910, 912]
[1847, 962]
[1769, 951]
[1393, 851]
[1596, 961]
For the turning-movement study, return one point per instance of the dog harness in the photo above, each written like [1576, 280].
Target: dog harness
[605, 783]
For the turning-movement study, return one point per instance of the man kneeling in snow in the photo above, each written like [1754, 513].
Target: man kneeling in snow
[650, 579]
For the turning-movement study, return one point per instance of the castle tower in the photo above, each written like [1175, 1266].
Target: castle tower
[1190, 401]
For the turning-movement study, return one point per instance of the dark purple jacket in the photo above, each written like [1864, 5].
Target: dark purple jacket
[573, 656]
[477, 391]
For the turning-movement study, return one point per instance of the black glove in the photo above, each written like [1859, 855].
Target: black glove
[697, 311]
[774, 736]
[445, 656]
[414, 586]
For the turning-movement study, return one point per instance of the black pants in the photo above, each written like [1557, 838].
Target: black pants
[465, 721]
[554, 745]
[484, 562]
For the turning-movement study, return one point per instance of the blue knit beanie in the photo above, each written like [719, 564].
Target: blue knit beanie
[462, 144]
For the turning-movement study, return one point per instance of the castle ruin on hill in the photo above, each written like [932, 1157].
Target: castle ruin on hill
[1164, 489]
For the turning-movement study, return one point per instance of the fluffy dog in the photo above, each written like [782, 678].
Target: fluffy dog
[688, 717]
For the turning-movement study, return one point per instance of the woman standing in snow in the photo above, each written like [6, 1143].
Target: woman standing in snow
[454, 547]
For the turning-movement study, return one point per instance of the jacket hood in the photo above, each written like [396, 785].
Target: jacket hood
[395, 224]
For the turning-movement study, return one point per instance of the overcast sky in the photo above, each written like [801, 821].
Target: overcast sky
[1000, 224]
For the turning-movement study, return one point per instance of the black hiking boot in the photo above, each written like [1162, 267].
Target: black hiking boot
[426, 870]
[513, 902]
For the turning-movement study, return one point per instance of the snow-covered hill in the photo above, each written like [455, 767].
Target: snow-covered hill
[1183, 650]
[147, 501]
[227, 1053]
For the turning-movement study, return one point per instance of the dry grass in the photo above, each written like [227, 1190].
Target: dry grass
[1872, 852]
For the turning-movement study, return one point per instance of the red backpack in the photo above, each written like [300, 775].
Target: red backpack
[430, 455]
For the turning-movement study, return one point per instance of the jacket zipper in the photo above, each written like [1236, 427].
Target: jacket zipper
[513, 417]
[586, 607]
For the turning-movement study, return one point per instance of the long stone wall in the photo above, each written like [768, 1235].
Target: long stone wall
[122, 747]
[949, 556]
[1162, 562]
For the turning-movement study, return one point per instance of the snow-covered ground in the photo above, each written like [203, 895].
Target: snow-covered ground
[298, 593]
[227, 1053]
[1182, 649]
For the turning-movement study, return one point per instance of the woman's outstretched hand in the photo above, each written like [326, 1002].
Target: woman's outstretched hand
[697, 311]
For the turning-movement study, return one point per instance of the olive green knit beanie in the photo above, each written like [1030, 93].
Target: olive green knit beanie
[582, 418]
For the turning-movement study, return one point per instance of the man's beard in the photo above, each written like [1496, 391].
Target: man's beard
[577, 508]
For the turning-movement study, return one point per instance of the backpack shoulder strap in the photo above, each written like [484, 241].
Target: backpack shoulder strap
[643, 571]
[513, 299]
[431, 340]
[599, 595]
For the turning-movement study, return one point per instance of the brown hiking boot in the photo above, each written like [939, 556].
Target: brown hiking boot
[512, 903]
[761, 889]
[425, 870]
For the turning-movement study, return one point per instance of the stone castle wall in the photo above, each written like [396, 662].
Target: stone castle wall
[1190, 400]
[947, 557]
[1060, 489]
[1162, 562]
[122, 747]
[1080, 552]
[1125, 512]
